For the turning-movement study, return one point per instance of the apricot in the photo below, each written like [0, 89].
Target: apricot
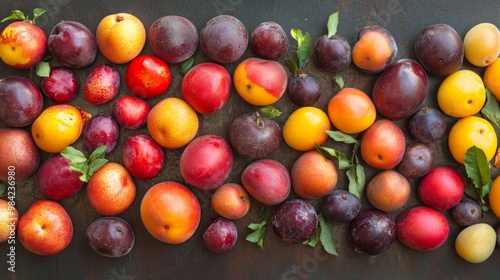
[375, 49]
[313, 175]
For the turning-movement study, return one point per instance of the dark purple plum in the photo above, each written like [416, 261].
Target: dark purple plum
[72, 44]
[111, 237]
[400, 90]
[372, 232]
[304, 90]
[101, 130]
[439, 49]
[21, 101]
[332, 53]
[269, 41]
[61, 85]
[340, 206]
[224, 39]
[254, 136]
[294, 221]
[173, 38]
[220, 235]
[417, 160]
[427, 125]
[467, 212]
[56, 180]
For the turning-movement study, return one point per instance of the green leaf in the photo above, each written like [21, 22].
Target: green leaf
[2, 189]
[304, 46]
[314, 239]
[477, 166]
[292, 66]
[96, 165]
[269, 112]
[86, 166]
[257, 236]
[74, 155]
[186, 65]
[343, 161]
[341, 137]
[99, 152]
[326, 236]
[333, 22]
[15, 15]
[339, 81]
[42, 69]
[37, 12]
[356, 176]
[491, 109]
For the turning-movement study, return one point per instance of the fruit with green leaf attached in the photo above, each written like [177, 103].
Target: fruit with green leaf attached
[294, 221]
[22, 43]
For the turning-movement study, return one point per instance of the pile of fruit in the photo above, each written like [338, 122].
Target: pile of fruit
[364, 122]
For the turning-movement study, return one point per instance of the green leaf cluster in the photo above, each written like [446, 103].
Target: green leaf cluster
[86, 166]
[478, 170]
[269, 112]
[324, 235]
[258, 229]
[19, 15]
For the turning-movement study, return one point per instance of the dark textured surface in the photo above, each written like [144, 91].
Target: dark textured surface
[151, 259]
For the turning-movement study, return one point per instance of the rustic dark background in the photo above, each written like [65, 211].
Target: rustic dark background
[152, 259]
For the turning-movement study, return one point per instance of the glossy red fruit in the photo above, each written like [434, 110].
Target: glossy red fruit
[148, 76]
[143, 157]
[102, 84]
[56, 180]
[442, 188]
[131, 112]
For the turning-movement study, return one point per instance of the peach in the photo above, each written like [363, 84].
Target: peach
[8, 221]
[231, 201]
[22, 44]
[260, 82]
[313, 175]
[170, 212]
[388, 191]
[120, 37]
[375, 49]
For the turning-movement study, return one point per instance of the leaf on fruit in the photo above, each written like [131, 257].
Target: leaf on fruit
[314, 239]
[15, 15]
[74, 155]
[478, 170]
[292, 66]
[42, 69]
[2, 189]
[326, 236]
[343, 161]
[333, 22]
[86, 166]
[186, 65]
[339, 81]
[304, 46]
[491, 109]
[357, 180]
[341, 137]
[269, 112]
[257, 236]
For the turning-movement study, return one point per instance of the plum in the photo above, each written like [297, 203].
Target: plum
[19, 156]
[332, 53]
[440, 50]
[304, 90]
[269, 41]
[224, 39]
[143, 157]
[56, 180]
[61, 85]
[294, 221]
[340, 206]
[400, 90]
[101, 130]
[102, 84]
[72, 44]
[21, 101]
[372, 232]
[173, 38]
[254, 136]
[131, 112]
[417, 161]
[111, 236]
[467, 212]
[427, 125]
[220, 235]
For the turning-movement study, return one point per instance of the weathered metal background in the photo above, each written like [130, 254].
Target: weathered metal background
[152, 259]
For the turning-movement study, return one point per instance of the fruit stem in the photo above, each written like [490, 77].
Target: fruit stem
[257, 121]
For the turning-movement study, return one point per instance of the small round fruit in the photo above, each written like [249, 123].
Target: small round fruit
[111, 237]
[472, 131]
[61, 85]
[269, 40]
[143, 157]
[461, 94]
[313, 175]
[19, 156]
[482, 44]
[57, 127]
[476, 243]
[332, 53]
[148, 76]
[340, 206]
[388, 191]
[131, 112]
[351, 111]
[231, 201]
[494, 197]
[442, 188]
[22, 44]
[491, 78]
[305, 127]
[101, 130]
[9, 217]
[467, 212]
[21, 101]
[304, 90]
[417, 161]
[372, 232]
[427, 125]
[102, 84]
[56, 179]
[220, 235]
[120, 37]
[172, 123]
[294, 221]
[375, 49]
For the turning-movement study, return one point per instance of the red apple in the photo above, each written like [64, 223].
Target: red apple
[206, 162]
[206, 87]
[267, 180]
[231, 201]
[422, 228]
[259, 81]
[131, 112]
[442, 188]
[383, 144]
[22, 44]
[45, 228]
[56, 180]
[143, 157]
